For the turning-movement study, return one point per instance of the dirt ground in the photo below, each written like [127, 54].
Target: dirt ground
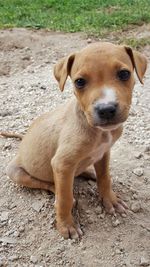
[27, 233]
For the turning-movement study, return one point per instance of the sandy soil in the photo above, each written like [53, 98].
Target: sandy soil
[27, 233]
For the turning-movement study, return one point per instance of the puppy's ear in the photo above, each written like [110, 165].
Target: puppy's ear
[62, 69]
[139, 62]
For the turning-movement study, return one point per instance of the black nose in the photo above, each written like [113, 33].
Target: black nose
[106, 111]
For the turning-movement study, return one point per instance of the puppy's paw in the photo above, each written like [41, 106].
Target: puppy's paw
[113, 203]
[69, 229]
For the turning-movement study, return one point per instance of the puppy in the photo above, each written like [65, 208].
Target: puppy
[63, 143]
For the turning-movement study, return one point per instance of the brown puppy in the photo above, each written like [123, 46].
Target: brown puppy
[61, 144]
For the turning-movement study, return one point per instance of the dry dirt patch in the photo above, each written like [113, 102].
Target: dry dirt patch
[27, 234]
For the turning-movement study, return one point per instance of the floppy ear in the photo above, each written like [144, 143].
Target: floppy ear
[139, 62]
[62, 69]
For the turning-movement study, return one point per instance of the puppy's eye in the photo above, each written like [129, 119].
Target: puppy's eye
[80, 83]
[123, 75]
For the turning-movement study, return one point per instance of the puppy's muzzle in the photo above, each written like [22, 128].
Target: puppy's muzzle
[106, 112]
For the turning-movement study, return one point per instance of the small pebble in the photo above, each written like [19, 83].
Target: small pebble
[7, 240]
[123, 215]
[33, 259]
[13, 258]
[98, 210]
[146, 156]
[135, 207]
[90, 221]
[7, 146]
[89, 40]
[1, 262]
[138, 171]
[16, 234]
[102, 216]
[91, 182]
[26, 48]
[61, 249]
[91, 191]
[115, 223]
[12, 206]
[138, 155]
[134, 196]
[27, 57]
[87, 211]
[144, 261]
[43, 87]
[4, 216]
[21, 229]
[147, 148]
[5, 113]
[133, 190]
[117, 251]
[37, 205]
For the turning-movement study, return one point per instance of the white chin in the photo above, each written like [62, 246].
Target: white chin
[109, 127]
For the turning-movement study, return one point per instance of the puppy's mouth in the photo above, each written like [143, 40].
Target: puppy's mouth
[107, 127]
[107, 124]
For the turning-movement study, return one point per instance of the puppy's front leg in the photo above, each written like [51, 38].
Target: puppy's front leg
[110, 200]
[64, 177]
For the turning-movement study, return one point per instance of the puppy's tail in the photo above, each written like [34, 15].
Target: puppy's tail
[11, 135]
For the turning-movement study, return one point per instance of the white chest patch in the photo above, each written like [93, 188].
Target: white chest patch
[98, 153]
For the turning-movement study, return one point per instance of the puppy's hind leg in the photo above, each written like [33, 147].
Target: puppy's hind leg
[21, 177]
[89, 173]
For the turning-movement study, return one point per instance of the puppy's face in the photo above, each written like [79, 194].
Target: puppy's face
[103, 79]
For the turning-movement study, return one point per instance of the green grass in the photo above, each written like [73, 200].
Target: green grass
[135, 43]
[91, 16]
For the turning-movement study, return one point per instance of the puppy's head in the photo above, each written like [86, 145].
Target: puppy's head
[103, 79]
